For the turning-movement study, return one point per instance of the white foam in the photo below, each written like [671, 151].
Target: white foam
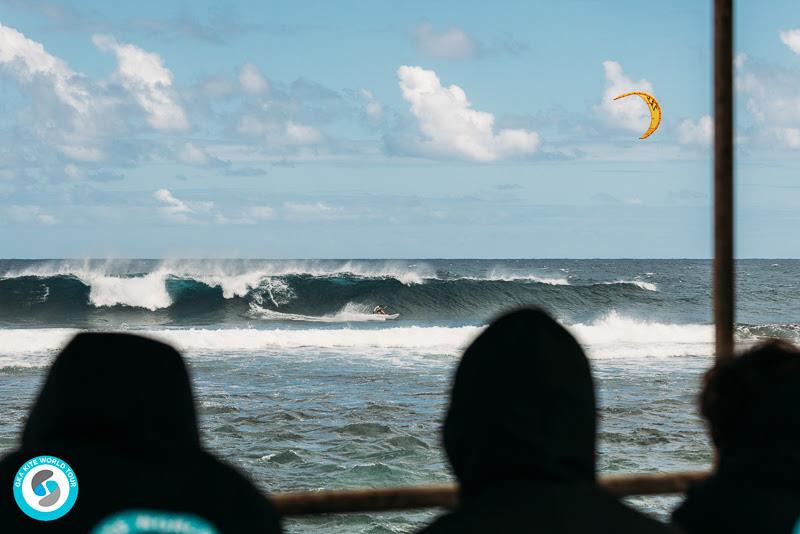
[648, 286]
[148, 291]
[616, 336]
[350, 313]
[506, 275]
[31, 347]
[418, 339]
[613, 336]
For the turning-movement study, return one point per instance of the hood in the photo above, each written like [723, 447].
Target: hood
[766, 450]
[522, 407]
[114, 388]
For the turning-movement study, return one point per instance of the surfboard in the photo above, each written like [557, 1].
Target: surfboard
[389, 317]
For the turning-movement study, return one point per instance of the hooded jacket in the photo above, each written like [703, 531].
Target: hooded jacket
[520, 436]
[756, 486]
[119, 410]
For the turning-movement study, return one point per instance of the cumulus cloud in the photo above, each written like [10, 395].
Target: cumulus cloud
[789, 136]
[628, 113]
[791, 38]
[772, 98]
[145, 77]
[31, 214]
[277, 133]
[698, 132]
[26, 60]
[173, 205]
[177, 209]
[192, 154]
[302, 134]
[452, 43]
[451, 127]
[252, 80]
[371, 105]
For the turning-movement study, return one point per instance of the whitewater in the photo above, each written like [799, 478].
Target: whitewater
[302, 386]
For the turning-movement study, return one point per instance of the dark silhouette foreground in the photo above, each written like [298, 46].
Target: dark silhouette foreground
[119, 410]
[752, 404]
[520, 437]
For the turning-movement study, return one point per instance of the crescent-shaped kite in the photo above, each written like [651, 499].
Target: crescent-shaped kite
[655, 110]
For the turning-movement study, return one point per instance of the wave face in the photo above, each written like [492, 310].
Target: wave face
[239, 293]
[64, 293]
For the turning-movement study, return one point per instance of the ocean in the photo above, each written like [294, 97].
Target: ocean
[302, 387]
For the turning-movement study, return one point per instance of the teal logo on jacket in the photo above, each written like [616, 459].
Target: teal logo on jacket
[45, 488]
[154, 522]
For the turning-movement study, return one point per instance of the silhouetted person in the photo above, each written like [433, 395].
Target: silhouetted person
[119, 410]
[752, 404]
[520, 437]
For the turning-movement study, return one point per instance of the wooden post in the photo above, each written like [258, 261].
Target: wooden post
[724, 274]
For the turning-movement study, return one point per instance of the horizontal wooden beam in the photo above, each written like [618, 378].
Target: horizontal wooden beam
[300, 503]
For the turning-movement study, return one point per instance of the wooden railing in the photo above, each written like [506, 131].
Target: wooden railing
[301, 503]
[446, 496]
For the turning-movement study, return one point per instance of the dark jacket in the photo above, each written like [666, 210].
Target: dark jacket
[119, 410]
[520, 436]
[756, 487]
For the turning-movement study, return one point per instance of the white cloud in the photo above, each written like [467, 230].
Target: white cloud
[373, 107]
[145, 77]
[250, 125]
[790, 137]
[696, 133]
[452, 128]
[27, 59]
[192, 155]
[252, 81]
[316, 210]
[172, 205]
[301, 134]
[31, 214]
[278, 134]
[772, 98]
[179, 210]
[452, 43]
[628, 113]
[262, 212]
[73, 171]
[82, 153]
[791, 38]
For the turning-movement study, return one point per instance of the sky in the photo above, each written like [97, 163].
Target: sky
[317, 129]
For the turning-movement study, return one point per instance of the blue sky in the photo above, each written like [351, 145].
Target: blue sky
[386, 129]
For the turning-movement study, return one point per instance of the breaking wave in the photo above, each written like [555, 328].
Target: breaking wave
[612, 336]
[305, 291]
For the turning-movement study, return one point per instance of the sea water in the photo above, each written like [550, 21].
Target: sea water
[302, 387]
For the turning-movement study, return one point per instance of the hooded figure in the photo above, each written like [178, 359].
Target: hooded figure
[520, 436]
[118, 409]
[752, 404]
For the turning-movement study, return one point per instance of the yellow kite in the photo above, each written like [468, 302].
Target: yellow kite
[655, 110]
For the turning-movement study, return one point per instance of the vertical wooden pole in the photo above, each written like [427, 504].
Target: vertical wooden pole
[724, 277]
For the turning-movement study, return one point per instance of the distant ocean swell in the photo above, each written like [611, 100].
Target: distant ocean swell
[338, 296]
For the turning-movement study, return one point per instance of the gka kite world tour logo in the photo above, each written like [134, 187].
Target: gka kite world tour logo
[45, 488]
